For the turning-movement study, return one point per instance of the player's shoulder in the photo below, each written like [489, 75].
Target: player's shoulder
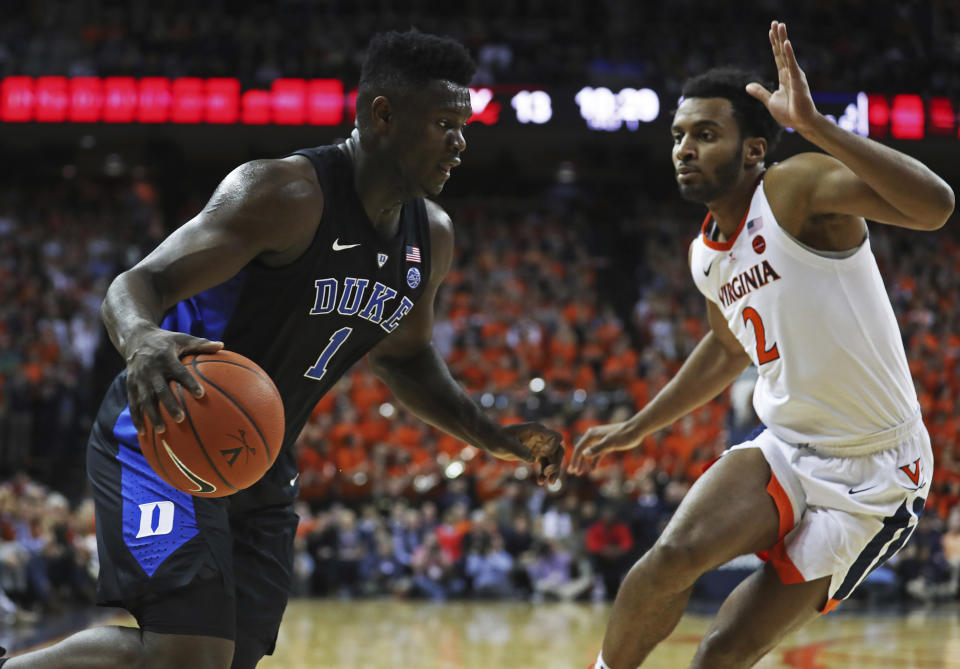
[441, 237]
[285, 182]
[438, 217]
[441, 225]
[790, 186]
[799, 172]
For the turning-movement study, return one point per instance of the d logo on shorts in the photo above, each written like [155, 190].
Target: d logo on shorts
[164, 522]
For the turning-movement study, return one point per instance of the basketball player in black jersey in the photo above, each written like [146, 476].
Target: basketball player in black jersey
[304, 264]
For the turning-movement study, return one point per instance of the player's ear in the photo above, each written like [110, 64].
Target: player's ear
[381, 112]
[754, 150]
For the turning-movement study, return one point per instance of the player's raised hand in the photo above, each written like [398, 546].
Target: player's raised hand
[791, 104]
[600, 440]
[153, 363]
[538, 445]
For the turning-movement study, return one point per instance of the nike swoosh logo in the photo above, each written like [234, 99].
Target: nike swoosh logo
[293, 481]
[854, 492]
[202, 486]
[706, 271]
[337, 246]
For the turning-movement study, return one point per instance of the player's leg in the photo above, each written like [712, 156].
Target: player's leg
[728, 512]
[756, 616]
[189, 626]
[263, 565]
[111, 647]
[164, 556]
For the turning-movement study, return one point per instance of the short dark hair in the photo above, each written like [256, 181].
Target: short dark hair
[397, 61]
[730, 83]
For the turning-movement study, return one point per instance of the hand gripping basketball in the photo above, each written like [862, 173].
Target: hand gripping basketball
[228, 437]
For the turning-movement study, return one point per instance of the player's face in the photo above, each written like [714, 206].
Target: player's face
[430, 138]
[707, 148]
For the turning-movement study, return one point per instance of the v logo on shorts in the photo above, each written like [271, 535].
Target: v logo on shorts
[912, 471]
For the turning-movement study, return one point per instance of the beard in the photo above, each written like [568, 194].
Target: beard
[709, 190]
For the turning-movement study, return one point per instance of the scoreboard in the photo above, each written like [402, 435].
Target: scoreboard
[328, 102]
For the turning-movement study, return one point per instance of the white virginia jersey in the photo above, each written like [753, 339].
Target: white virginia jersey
[821, 331]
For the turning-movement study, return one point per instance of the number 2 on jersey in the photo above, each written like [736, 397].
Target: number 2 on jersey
[764, 354]
[320, 366]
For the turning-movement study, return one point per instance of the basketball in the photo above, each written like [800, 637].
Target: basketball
[228, 438]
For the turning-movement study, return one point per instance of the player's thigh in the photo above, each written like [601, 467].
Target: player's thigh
[177, 651]
[189, 626]
[757, 615]
[263, 565]
[728, 512]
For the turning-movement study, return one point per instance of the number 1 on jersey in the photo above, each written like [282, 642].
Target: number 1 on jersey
[320, 366]
[764, 354]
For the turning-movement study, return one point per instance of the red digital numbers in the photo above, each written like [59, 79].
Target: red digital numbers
[119, 99]
[222, 101]
[86, 99]
[161, 100]
[16, 99]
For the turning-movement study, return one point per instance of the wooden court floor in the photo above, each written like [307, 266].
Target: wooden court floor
[332, 634]
[384, 634]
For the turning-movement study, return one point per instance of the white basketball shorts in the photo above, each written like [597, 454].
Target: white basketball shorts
[843, 516]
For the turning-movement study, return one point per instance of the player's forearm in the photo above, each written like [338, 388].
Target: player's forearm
[423, 385]
[906, 183]
[703, 376]
[130, 308]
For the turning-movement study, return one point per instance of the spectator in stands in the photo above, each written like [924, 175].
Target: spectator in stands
[489, 568]
[608, 542]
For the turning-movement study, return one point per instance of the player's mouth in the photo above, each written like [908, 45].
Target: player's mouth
[448, 166]
[686, 173]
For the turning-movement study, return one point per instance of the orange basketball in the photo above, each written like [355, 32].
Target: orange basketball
[228, 438]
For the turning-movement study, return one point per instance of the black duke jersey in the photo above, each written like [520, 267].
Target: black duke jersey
[307, 322]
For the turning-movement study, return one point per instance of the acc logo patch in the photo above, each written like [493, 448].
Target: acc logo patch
[759, 244]
[413, 277]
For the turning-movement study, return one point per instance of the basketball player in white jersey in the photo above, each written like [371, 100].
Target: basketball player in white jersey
[832, 484]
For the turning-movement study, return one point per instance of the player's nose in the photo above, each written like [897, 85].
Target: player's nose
[686, 150]
[458, 141]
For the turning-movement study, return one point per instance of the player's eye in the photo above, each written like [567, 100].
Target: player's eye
[706, 136]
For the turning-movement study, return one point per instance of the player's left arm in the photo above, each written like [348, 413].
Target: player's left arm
[419, 378]
[860, 177]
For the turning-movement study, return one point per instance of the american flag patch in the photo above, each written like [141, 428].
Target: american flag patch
[754, 226]
[413, 254]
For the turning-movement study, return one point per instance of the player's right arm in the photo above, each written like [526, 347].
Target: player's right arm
[717, 360]
[263, 209]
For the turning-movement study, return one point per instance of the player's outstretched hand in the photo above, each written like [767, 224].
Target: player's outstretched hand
[599, 440]
[791, 104]
[536, 444]
[154, 362]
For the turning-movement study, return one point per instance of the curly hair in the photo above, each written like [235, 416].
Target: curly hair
[397, 63]
[729, 82]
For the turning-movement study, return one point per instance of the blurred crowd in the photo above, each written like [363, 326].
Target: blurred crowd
[48, 551]
[546, 315]
[897, 46]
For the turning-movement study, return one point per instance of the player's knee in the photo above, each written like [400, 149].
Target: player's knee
[680, 559]
[179, 651]
[724, 649]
